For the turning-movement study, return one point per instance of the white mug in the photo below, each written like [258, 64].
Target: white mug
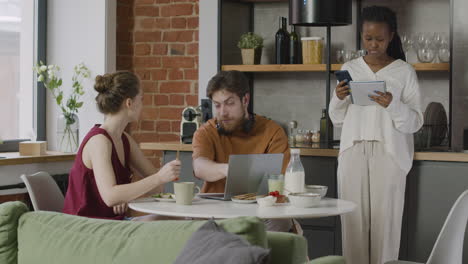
[184, 192]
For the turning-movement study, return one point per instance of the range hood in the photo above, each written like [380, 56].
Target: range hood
[320, 12]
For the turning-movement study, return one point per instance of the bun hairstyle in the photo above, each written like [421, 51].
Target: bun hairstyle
[381, 14]
[114, 88]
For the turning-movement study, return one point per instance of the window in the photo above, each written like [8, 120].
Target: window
[22, 38]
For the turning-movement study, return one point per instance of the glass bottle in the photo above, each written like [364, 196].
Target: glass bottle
[292, 133]
[282, 43]
[294, 178]
[323, 125]
[294, 46]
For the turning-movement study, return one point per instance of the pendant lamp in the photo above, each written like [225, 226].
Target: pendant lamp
[322, 13]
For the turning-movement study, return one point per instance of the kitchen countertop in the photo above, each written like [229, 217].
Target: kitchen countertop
[13, 158]
[318, 152]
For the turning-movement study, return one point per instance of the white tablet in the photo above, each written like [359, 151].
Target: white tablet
[360, 91]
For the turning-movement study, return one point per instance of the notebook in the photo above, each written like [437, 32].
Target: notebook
[245, 174]
[360, 91]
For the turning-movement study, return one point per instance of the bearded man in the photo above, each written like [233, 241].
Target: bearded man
[234, 130]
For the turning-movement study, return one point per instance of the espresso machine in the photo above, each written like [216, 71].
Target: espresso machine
[192, 119]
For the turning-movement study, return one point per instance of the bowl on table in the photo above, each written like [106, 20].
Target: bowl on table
[265, 201]
[304, 199]
[320, 189]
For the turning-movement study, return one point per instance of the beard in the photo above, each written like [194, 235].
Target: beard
[245, 125]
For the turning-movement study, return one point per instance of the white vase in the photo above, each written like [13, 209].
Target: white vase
[67, 133]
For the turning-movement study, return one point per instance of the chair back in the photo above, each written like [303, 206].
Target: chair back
[448, 247]
[44, 192]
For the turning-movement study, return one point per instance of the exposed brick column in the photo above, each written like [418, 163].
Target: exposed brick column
[164, 54]
[125, 23]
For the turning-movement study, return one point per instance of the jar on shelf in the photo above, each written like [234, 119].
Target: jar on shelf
[300, 136]
[315, 136]
[312, 50]
[307, 137]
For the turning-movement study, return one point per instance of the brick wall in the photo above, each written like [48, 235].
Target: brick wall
[158, 40]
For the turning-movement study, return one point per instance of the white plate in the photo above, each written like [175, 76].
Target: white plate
[167, 200]
[243, 201]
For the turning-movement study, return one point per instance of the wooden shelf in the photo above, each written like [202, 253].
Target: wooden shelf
[319, 67]
[260, 1]
[431, 66]
[280, 68]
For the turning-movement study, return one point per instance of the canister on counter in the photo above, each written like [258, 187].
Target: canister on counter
[312, 48]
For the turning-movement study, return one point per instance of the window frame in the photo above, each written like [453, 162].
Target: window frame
[39, 114]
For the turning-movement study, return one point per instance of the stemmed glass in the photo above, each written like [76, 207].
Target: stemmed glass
[425, 51]
[407, 41]
[421, 39]
[440, 43]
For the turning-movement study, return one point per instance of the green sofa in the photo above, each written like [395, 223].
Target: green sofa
[48, 237]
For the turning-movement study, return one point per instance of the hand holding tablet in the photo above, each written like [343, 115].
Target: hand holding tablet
[361, 92]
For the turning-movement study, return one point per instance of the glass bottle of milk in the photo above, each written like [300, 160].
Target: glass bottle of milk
[294, 178]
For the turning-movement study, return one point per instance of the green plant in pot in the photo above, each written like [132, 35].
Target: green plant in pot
[251, 46]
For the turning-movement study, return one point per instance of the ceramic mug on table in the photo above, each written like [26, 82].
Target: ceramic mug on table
[184, 192]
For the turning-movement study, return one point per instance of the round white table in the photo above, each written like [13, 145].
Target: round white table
[206, 208]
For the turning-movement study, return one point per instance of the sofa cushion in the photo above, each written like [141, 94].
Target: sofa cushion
[287, 247]
[10, 212]
[48, 237]
[212, 244]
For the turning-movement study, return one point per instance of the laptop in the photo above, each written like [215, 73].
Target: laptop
[246, 174]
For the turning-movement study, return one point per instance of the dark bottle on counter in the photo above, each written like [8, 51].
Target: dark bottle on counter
[282, 43]
[294, 47]
[324, 121]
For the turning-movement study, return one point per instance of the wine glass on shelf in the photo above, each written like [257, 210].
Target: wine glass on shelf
[348, 55]
[437, 39]
[444, 53]
[407, 41]
[420, 39]
[444, 39]
[339, 56]
[426, 54]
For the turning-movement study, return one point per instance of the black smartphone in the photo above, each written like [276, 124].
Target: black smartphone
[343, 75]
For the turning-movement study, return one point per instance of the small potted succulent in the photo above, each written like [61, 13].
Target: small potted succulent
[251, 46]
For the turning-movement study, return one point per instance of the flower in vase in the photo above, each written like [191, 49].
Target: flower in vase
[49, 76]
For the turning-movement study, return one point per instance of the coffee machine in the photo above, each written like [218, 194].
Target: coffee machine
[192, 118]
[191, 121]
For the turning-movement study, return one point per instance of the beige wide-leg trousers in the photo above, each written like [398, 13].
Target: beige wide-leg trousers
[369, 177]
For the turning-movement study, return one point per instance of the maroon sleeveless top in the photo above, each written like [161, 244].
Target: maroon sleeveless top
[83, 196]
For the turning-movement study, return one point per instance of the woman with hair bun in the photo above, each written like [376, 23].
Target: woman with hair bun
[100, 180]
[376, 146]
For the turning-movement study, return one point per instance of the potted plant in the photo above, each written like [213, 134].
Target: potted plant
[251, 46]
[67, 122]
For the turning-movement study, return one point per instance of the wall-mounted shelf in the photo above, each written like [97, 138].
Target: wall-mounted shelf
[280, 68]
[319, 67]
[259, 1]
